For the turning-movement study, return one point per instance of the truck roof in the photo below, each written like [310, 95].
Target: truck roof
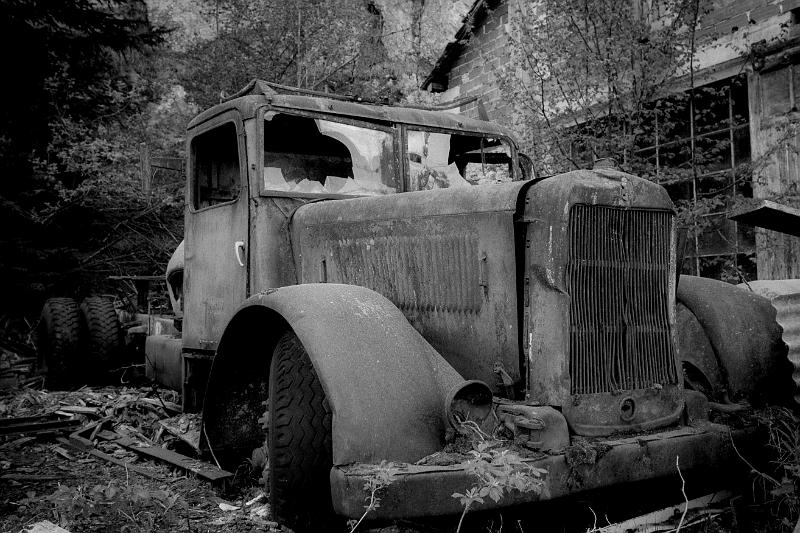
[259, 92]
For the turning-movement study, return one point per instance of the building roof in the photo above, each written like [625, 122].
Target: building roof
[462, 37]
[259, 92]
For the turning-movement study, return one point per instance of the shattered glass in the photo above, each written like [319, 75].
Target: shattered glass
[304, 155]
[443, 160]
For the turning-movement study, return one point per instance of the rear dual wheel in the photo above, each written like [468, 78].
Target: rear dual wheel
[103, 335]
[77, 344]
[58, 337]
[299, 441]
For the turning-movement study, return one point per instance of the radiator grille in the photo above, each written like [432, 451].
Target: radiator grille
[618, 279]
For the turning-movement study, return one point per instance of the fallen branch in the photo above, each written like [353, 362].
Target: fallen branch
[683, 491]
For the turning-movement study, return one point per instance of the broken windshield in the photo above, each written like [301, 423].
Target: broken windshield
[313, 156]
[444, 160]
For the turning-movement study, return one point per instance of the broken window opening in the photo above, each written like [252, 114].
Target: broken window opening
[314, 156]
[215, 162]
[444, 160]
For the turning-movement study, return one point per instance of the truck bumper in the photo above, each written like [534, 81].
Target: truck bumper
[424, 491]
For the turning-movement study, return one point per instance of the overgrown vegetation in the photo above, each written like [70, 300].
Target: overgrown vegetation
[594, 80]
[91, 81]
[499, 471]
[84, 95]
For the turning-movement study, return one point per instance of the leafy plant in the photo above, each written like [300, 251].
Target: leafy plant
[499, 472]
[140, 506]
[380, 477]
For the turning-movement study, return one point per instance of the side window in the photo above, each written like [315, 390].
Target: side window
[215, 166]
[443, 160]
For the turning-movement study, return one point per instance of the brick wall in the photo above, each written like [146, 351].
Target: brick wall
[723, 22]
[723, 17]
[473, 70]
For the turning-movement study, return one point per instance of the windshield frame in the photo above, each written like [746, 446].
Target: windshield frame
[392, 130]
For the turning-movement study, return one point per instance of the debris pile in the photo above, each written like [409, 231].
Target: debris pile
[125, 454]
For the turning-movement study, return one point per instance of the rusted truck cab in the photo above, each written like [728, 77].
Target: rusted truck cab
[428, 280]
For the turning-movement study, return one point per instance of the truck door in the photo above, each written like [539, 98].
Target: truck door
[216, 255]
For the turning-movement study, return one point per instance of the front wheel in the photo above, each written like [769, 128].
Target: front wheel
[298, 440]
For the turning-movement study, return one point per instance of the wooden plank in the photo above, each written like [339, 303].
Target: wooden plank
[770, 215]
[31, 425]
[85, 446]
[169, 163]
[79, 409]
[202, 469]
[35, 477]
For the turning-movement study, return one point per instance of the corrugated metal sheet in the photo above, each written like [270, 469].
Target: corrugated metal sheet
[784, 294]
[618, 280]
[432, 273]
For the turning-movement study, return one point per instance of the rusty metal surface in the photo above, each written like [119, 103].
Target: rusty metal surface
[164, 361]
[381, 378]
[446, 258]
[693, 349]
[618, 279]
[784, 294]
[421, 491]
[214, 283]
[379, 113]
[175, 268]
[745, 336]
[547, 326]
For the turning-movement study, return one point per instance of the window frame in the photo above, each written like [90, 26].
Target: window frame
[230, 116]
[737, 247]
[392, 130]
[516, 170]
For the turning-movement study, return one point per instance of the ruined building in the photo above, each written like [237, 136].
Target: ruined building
[747, 54]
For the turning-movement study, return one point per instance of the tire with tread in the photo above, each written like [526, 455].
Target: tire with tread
[103, 333]
[58, 340]
[299, 440]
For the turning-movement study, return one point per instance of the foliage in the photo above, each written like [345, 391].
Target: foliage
[326, 46]
[380, 477]
[499, 471]
[86, 92]
[592, 80]
[783, 427]
[138, 507]
[587, 72]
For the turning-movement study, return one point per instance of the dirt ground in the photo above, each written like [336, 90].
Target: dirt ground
[42, 477]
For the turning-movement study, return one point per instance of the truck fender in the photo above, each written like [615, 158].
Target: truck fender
[737, 331]
[388, 389]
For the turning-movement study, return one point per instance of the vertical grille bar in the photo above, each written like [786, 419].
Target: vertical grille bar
[618, 279]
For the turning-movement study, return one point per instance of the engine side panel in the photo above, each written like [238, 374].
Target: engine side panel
[445, 258]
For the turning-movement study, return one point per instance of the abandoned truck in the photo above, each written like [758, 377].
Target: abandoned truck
[359, 282]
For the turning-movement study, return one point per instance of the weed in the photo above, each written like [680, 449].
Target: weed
[379, 478]
[142, 507]
[499, 471]
[784, 440]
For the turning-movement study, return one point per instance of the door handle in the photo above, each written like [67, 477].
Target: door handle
[238, 247]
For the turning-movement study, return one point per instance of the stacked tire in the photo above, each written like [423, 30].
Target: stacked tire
[78, 344]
